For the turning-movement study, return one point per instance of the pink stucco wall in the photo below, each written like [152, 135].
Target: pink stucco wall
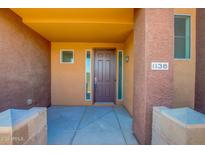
[24, 64]
[200, 61]
[153, 38]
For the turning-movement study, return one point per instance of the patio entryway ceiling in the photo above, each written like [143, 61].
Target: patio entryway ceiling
[79, 25]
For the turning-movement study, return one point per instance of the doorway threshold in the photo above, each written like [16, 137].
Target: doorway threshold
[104, 103]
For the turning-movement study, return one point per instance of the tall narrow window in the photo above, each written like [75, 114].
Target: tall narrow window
[182, 37]
[120, 75]
[88, 76]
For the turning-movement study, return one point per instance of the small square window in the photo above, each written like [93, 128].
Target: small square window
[67, 56]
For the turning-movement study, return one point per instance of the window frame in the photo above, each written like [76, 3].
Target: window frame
[122, 84]
[61, 56]
[190, 37]
[88, 50]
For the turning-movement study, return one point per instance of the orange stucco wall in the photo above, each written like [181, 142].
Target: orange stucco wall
[129, 73]
[184, 70]
[68, 80]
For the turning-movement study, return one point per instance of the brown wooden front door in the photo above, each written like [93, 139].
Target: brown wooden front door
[104, 75]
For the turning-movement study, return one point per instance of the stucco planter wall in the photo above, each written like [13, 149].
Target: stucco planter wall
[23, 126]
[177, 126]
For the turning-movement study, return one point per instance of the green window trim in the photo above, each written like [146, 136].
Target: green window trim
[120, 76]
[182, 37]
[88, 76]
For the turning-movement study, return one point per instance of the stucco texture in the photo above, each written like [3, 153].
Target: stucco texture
[68, 80]
[153, 40]
[184, 70]
[129, 73]
[24, 64]
[200, 61]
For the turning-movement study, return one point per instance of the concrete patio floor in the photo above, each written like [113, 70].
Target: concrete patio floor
[89, 125]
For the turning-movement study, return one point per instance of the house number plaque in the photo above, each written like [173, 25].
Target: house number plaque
[160, 66]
